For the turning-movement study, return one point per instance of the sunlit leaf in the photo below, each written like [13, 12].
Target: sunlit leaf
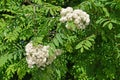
[110, 26]
[79, 45]
[82, 50]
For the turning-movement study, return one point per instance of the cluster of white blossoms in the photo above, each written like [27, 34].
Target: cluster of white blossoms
[39, 55]
[80, 18]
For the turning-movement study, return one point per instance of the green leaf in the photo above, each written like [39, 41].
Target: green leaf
[10, 70]
[105, 23]
[63, 36]
[51, 12]
[52, 48]
[55, 41]
[81, 50]
[38, 1]
[79, 45]
[101, 20]
[110, 26]
[38, 40]
[71, 25]
[69, 47]
[91, 38]
[21, 73]
[115, 21]
[5, 58]
[88, 43]
[58, 37]
[106, 11]
[117, 36]
[86, 47]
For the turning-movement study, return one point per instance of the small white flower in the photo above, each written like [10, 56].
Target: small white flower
[77, 11]
[30, 61]
[39, 55]
[63, 19]
[63, 12]
[87, 16]
[75, 15]
[84, 13]
[45, 48]
[84, 19]
[76, 21]
[69, 16]
[28, 47]
[69, 9]
[81, 26]
[44, 60]
[87, 21]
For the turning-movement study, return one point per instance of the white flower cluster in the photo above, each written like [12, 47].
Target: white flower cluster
[79, 17]
[39, 55]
